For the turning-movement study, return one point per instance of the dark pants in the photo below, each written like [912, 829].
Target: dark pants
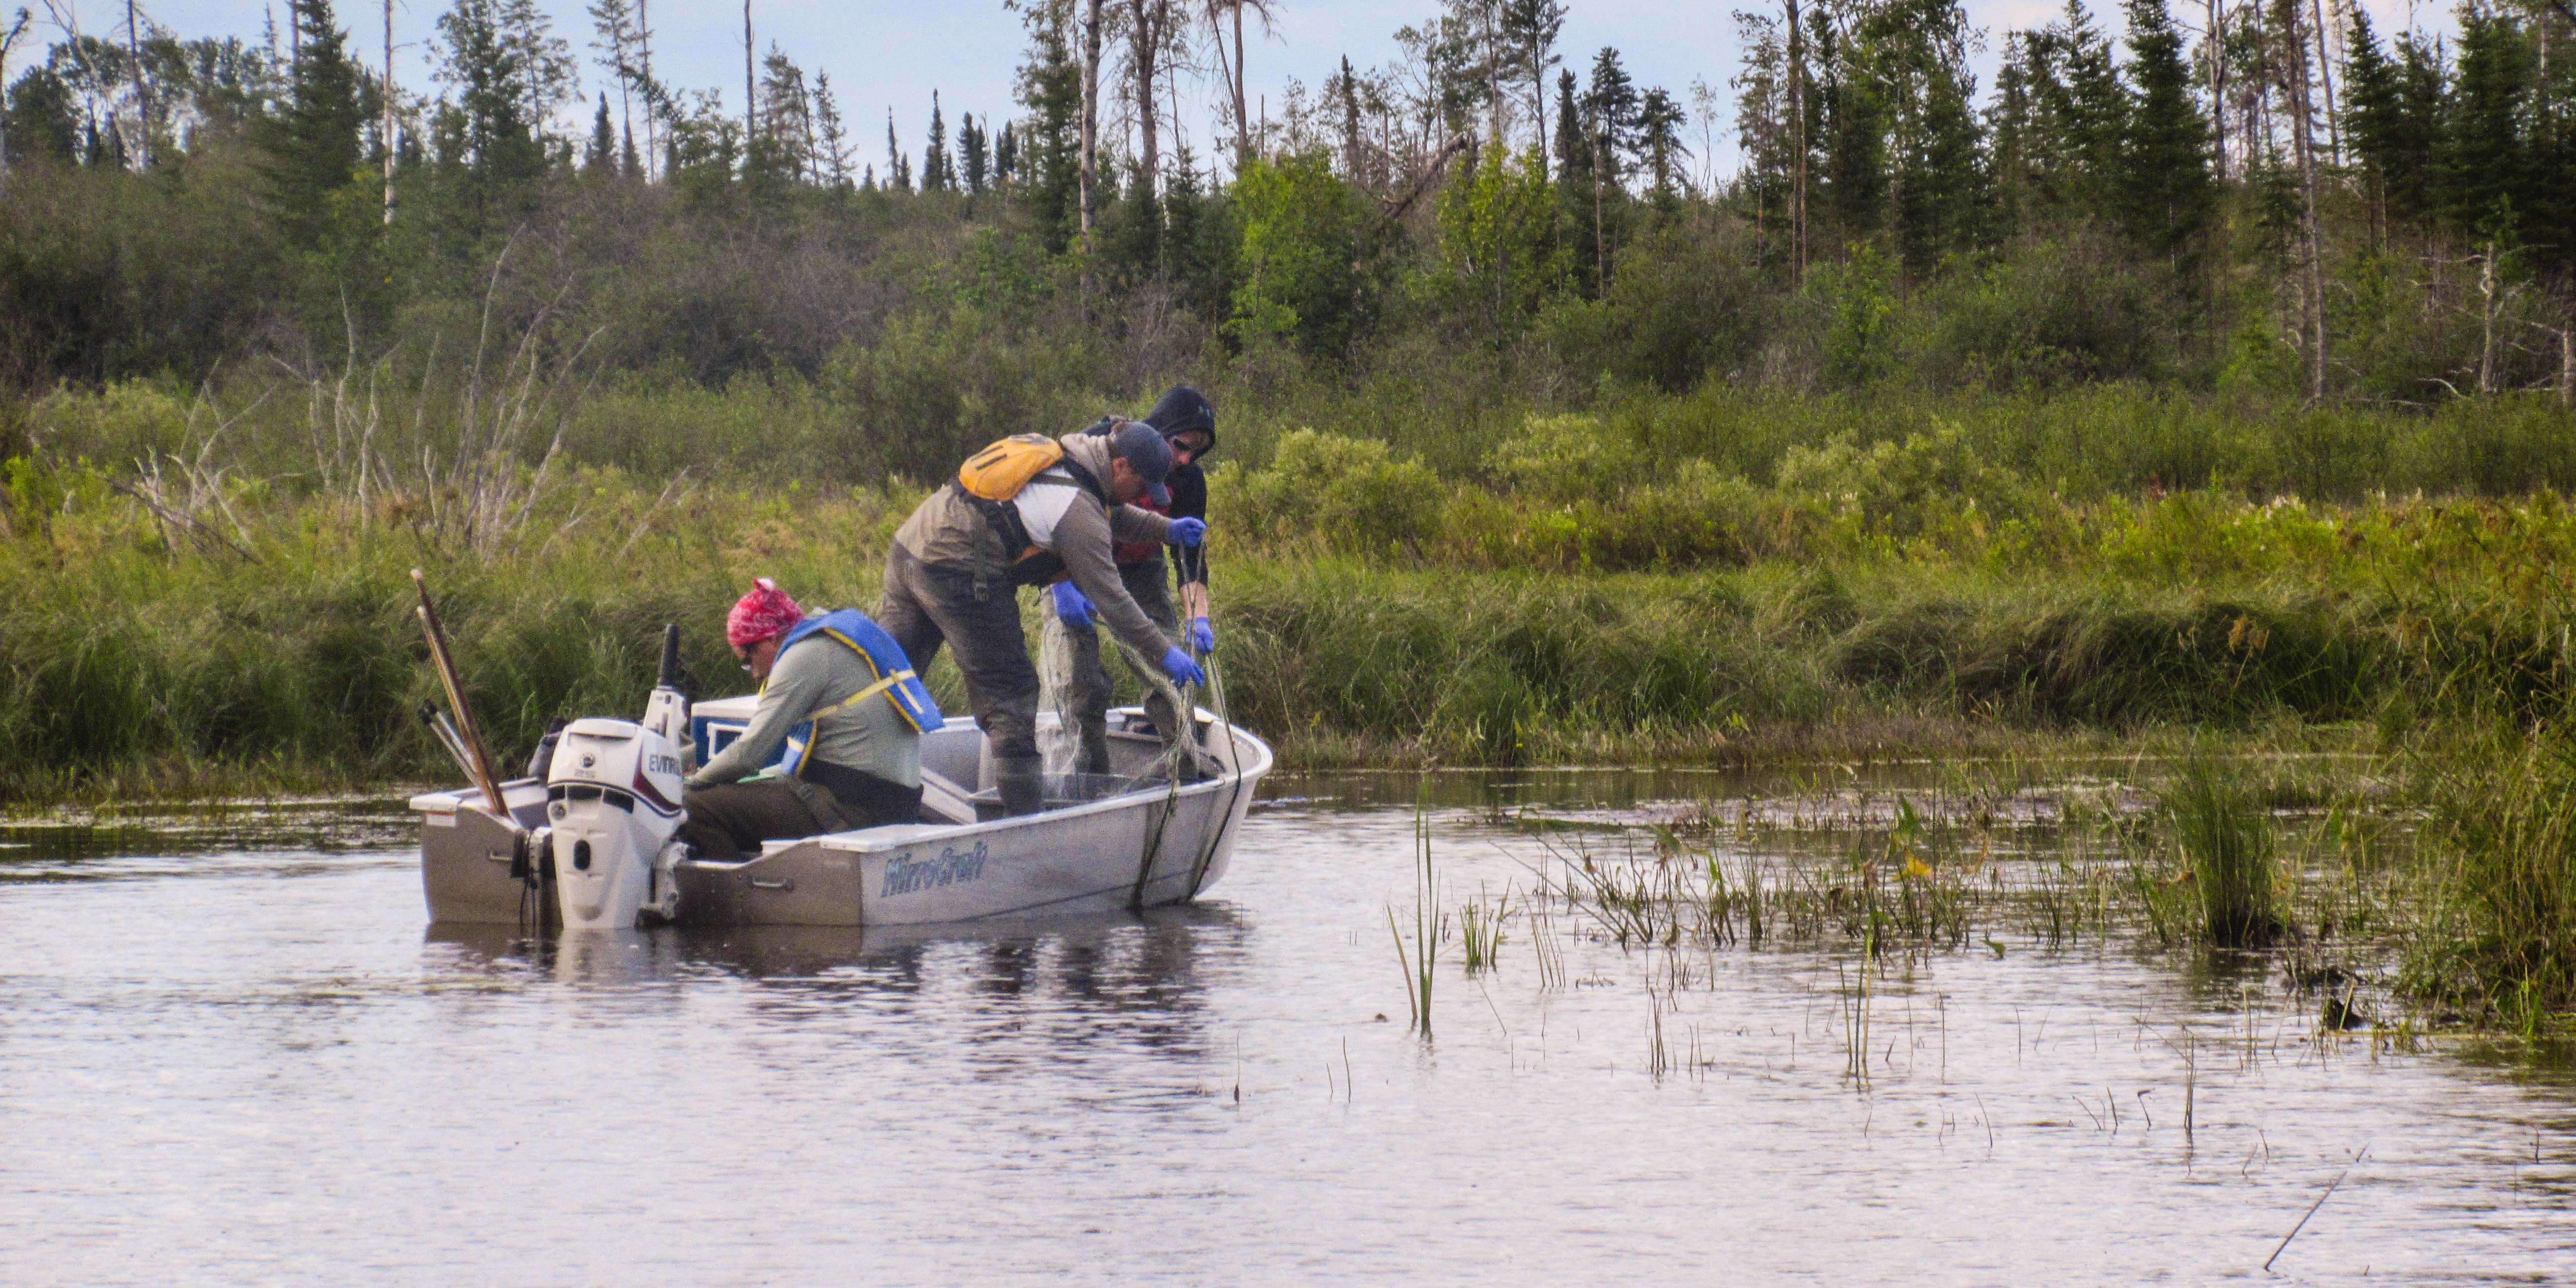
[925, 607]
[727, 822]
[1093, 691]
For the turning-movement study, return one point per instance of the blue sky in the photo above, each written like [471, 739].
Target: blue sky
[883, 55]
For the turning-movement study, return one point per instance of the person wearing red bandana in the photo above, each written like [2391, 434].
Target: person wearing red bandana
[839, 696]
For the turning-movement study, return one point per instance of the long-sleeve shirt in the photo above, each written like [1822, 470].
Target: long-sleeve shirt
[948, 532]
[817, 675]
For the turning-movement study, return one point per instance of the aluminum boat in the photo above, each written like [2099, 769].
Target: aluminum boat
[588, 845]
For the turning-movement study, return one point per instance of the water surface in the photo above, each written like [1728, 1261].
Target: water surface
[232, 1052]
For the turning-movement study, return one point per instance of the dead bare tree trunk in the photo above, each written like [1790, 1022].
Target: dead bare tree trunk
[1797, 148]
[2294, 71]
[1089, 168]
[1600, 230]
[1229, 70]
[644, 49]
[386, 135]
[2491, 301]
[750, 97]
[2325, 81]
[142, 82]
[1146, 32]
[2216, 44]
[1242, 122]
[2567, 365]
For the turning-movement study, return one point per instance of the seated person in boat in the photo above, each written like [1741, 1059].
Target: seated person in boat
[1187, 421]
[1027, 511]
[842, 682]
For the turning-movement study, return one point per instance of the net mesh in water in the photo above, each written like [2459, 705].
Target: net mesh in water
[1058, 661]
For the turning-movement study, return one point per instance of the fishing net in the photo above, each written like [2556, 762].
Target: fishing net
[1061, 747]
[1181, 760]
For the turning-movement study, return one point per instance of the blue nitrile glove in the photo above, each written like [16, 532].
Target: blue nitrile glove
[1188, 532]
[1177, 664]
[1071, 605]
[1202, 635]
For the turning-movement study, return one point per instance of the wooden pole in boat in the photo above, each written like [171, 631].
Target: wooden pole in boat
[478, 761]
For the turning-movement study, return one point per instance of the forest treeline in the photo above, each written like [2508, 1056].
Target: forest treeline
[2266, 197]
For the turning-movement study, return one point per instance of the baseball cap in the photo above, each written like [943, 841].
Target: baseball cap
[1146, 452]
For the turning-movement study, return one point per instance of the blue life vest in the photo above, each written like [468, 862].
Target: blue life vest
[886, 662]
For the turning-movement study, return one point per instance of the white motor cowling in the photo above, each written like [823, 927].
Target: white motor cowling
[613, 805]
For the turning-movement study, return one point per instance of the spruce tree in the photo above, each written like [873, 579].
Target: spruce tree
[1912, 55]
[2414, 180]
[2095, 112]
[2011, 122]
[1611, 109]
[1853, 128]
[600, 158]
[1946, 190]
[312, 143]
[1659, 142]
[1528, 30]
[934, 158]
[898, 172]
[2486, 161]
[1576, 222]
[1044, 155]
[43, 120]
[2166, 191]
[2374, 112]
[831, 137]
[508, 72]
[970, 142]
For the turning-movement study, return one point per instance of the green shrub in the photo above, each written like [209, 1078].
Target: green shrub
[1905, 489]
[2047, 315]
[1683, 306]
[1560, 460]
[117, 425]
[1347, 494]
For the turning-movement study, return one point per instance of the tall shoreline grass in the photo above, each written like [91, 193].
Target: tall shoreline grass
[130, 656]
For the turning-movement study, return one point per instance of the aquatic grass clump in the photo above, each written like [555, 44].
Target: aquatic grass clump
[1430, 926]
[2227, 843]
[1480, 930]
[2501, 935]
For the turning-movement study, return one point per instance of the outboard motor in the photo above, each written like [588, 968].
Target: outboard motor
[613, 806]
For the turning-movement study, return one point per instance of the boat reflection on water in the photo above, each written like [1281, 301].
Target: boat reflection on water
[1148, 974]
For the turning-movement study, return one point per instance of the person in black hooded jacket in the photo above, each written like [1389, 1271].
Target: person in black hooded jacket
[1188, 422]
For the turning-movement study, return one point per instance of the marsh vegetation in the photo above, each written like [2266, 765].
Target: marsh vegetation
[1542, 443]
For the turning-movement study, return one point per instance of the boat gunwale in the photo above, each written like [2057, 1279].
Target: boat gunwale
[861, 840]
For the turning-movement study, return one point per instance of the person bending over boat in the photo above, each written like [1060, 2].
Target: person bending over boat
[850, 690]
[1027, 511]
[1188, 422]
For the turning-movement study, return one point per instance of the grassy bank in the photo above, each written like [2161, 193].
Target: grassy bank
[1579, 596]
[125, 654]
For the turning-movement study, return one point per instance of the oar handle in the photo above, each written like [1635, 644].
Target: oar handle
[478, 760]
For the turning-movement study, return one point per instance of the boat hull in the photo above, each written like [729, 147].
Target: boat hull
[1144, 849]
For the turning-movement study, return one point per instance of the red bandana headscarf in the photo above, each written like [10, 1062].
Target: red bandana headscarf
[765, 612]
